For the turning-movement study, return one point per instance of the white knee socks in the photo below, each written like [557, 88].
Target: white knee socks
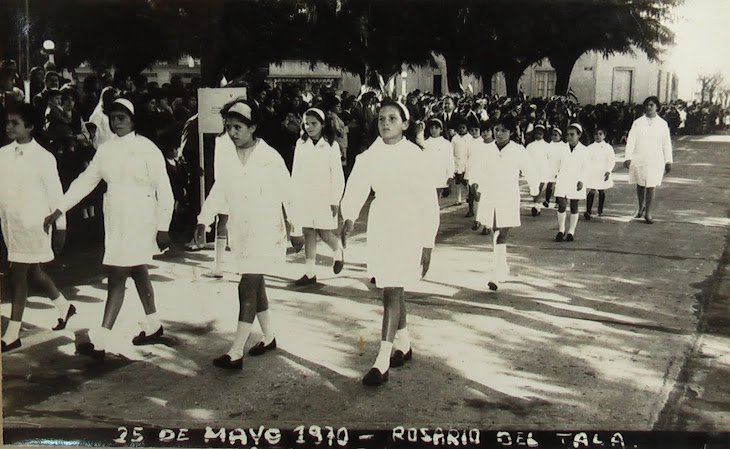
[402, 342]
[62, 305]
[12, 332]
[220, 251]
[99, 337]
[151, 323]
[501, 269]
[265, 323]
[309, 265]
[573, 223]
[242, 332]
[382, 362]
[561, 222]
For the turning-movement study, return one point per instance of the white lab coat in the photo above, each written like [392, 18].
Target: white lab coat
[440, 153]
[29, 191]
[601, 159]
[555, 153]
[649, 148]
[317, 182]
[138, 201]
[538, 151]
[497, 174]
[404, 216]
[224, 152]
[573, 168]
[254, 193]
[461, 151]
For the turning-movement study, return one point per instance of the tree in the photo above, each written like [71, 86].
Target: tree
[709, 83]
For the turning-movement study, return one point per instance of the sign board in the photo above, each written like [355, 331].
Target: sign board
[210, 102]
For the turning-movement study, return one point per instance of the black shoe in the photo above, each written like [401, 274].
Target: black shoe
[374, 377]
[399, 358]
[546, 204]
[144, 339]
[559, 237]
[569, 238]
[486, 231]
[372, 280]
[639, 213]
[475, 226]
[338, 266]
[305, 280]
[600, 213]
[587, 216]
[259, 348]
[89, 350]
[11, 346]
[469, 214]
[61, 322]
[648, 219]
[535, 212]
[492, 286]
[225, 362]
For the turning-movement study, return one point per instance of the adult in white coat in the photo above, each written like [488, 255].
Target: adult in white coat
[538, 150]
[318, 182]
[138, 206]
[402, 225]
[569, 185]
[601, 160]
[255, 186]
[648, 156]
[29, 189]
[496, 175]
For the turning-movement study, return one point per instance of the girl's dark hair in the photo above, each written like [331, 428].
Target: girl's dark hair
[652, 99]
[507, 121]
[24, 110]
[328, 128]
[410, 132]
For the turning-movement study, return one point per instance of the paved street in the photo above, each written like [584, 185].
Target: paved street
[607, 332]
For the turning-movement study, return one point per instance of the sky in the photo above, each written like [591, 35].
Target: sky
[702, 37]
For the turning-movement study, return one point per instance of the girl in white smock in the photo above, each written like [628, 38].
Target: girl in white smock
[29, 189]
[648, 156]
[317, 183]
[569, 185]
[497, 175]
[440, 153]
[138, 206]
[555, 153]
[601, 160]
[461, 142]
[538, 150]
[402, 225]
[255, 186]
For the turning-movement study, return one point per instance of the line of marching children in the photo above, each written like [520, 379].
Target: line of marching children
[266, 206]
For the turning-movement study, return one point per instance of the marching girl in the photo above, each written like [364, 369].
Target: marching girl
[569, 185]
[497, 175]
[538, 150]
[138, 206]
[402, 225]
[601, 160]
[29, 189]
[472, 125]
[317, 183]
[554, 156]
[441, 152]
[254, 184]
[460, 141]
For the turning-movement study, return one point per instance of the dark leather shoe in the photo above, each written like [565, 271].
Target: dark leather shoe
[648, 219]
[546, 204]
[374, 377]
[639, 213]
[61, 322]
[225, 362]
[475, 226]
[535, 212]
[372, 280]
[144, 339]
[559, 237]
[399, 358]
[304, 281]
[10, 346]
[89, 350]
[338, 266]
[569, 238]
[259, 348]
[469, 214]
[492, 286]
[587, 216]
[486, 231]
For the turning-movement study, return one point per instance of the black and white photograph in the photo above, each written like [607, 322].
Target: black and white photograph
[365, 223]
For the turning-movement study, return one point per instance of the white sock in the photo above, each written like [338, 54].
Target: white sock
[573, 223]
[501, 269]
[337, 253]
[220, 250]
[458, 193]
[62, 305]
[561, 222]
[99, 337]
[382, 362]
[12, 332]
[242, 332]
[402, 342]
[309, 267]
[265, 323]
[151, 323]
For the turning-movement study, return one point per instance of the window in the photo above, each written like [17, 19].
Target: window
[545, 83]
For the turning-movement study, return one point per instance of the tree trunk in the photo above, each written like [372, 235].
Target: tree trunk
[211, 53]
[453, 74]
[486, 76]
[563, 65]
[512, 75]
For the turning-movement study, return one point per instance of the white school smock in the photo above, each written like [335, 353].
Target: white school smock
[224, 152]
[573, 168]
[441, 153]
[601, 159]
[461, 151]
[649, 148]
[474, 147]
[538, 151]
[555, 153]
[138, 202]
[317, 183]
[498, 174]
[404, 216]
[255, 193]
[30, 188]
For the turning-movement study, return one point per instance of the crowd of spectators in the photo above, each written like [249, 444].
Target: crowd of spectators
[70, 121]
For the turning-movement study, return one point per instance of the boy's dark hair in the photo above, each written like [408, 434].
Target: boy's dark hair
[68, 92]
[53, 93]
[26, 112]
[328, 129]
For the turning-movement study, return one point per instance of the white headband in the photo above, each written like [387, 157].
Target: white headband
[126, 103]
[241, 109]
[577, 126]
[317, 111]
[405, 110]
